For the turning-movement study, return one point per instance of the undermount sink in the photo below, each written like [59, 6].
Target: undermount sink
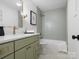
[29, 33]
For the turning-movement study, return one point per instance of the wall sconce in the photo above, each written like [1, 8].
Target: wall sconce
[23, 15]
[20, 4]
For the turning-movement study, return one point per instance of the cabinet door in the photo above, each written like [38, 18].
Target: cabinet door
[36, 50]
[6, 49]
[20, 54]
[9, 57]
[29, 52]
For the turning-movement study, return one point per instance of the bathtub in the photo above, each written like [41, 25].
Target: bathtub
[52, 46]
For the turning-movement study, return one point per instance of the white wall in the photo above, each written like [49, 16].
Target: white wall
[54, 24]
[72, 28]
[9, 16]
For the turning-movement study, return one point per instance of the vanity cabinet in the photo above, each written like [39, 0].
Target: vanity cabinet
[32, 51]
[24, 48]
[25, 53]
[27, 48]
[20, 54]
[29, 52]
[11, 56]
[6, 49]
[36, 50]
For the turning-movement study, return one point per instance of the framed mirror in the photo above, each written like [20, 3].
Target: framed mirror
[10, 13]
[33, 18]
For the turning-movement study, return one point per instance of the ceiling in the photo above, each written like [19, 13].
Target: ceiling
[11, 3]
[46, 5]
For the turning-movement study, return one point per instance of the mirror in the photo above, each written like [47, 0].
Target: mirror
[11, 13]
[33, 17]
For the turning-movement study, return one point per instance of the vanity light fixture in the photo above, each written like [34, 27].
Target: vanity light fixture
[19, 3]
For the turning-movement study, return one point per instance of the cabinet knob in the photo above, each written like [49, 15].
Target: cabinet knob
[75, 37]
[28, 47]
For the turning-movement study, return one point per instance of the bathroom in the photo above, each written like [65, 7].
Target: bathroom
[49, 24]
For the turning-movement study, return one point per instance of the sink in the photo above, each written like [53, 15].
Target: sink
[29, 33]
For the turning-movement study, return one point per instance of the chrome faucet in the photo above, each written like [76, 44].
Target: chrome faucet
[14, 30]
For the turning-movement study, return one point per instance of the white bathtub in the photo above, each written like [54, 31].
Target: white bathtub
[51, 46]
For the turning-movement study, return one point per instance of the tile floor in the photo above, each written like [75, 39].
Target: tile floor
[52, 49]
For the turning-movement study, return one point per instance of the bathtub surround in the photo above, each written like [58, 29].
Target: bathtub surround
[54, 24]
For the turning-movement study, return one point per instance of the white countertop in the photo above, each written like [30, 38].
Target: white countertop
[7, 38]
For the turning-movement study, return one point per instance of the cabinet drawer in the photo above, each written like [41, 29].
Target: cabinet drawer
[32, 39]
[20, 43]
[23, 42]
[35, 38]
[6, 49]
[11, 56]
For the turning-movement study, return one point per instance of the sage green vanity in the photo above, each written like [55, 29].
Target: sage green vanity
[22, 48]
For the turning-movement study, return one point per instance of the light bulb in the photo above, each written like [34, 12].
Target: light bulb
[19, 3]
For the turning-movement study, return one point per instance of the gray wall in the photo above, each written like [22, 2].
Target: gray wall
[39, 21]
[54, 24]
[20, 21]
